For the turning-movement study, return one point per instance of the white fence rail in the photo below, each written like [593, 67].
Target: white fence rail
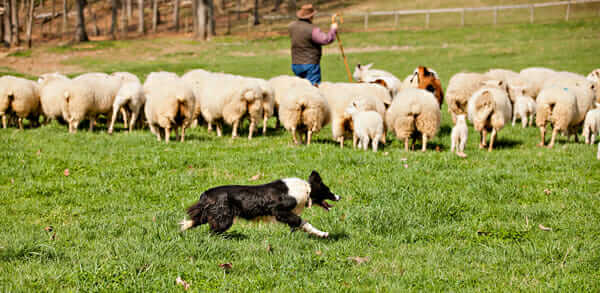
[427, 12]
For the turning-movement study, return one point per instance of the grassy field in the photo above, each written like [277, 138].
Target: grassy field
[423, 221]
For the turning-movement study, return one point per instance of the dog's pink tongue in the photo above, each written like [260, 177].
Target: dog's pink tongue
[326, 205]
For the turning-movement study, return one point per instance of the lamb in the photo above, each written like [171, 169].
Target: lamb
[280, 85]
[591, 125]
[340, 95]
[459, 135]
[368, 125]
[364, 73]
[537, 77]
[105, 88]
[460, 89]
[489, 109]
[20, 97]
[130, 96]
[169, 106]
[226, 97]
[594, 77]
[524, 108]
[516, 85]
[303, 108]
[414, 113]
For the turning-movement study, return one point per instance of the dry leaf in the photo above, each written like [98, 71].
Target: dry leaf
[255, 177]
[48, 229]
[53, 236]
[39, 152]
[437, 148]
[386, 153]
[269, 248]
[12, 181]
[547, 191]
[180, 281]
[154, 219]
[226, 266]
[343, 217]
[66, 172]
[405, 166]
[359, 259]
[544, 228]
[318, 252]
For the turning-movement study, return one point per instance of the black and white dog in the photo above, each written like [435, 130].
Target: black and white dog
[283, 199]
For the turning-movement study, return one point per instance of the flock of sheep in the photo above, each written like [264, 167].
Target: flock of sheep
[365, 111]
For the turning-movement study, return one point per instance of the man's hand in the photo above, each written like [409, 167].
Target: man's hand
[334, 26]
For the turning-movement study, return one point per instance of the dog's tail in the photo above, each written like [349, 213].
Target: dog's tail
[196, 214]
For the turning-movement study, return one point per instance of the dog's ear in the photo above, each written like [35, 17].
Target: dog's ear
[314, 177]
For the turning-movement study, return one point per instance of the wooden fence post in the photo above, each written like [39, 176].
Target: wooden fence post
[531, 15]
[462, 17]
[427, 19]
[396, 19]
[495, 15]
[568, 11]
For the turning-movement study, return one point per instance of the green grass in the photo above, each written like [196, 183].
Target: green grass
[426, 221]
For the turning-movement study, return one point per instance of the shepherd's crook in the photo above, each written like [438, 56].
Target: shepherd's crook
[342, 47]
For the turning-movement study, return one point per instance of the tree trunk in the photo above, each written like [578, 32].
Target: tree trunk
[277, 5]
[201, 14]
[256, 16]
[80, 33]
[53, 14]
[7, 22]
[239, 9]
[95, 20]
[15, 22]
[129, 10]
[211, 17]
[154, 15]
[141, 29]
[176, 14]
[64, 22]
[195, 25]
[30, 23]
[113, 18]
[292, 6]
[2, 27]
[124, 21]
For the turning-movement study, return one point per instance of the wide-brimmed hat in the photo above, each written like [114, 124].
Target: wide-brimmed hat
[306, 11]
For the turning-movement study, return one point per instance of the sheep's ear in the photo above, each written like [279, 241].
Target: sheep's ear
[500, 83]
[593, 87]
[368, 66]
[358, 66]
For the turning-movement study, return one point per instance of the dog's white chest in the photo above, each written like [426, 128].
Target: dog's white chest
[300, 190]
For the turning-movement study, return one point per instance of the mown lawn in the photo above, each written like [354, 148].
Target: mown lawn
[423, 221]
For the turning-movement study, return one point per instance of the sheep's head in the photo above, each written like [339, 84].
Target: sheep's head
[495, 83]
[352, 109]
[360, 71]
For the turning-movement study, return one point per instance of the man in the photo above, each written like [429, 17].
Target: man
[307, 40]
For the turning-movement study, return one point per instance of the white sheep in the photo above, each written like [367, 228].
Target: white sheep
[195, 79]
[105, 88]
[461, 88]
[20, 97]
[226, 97]
[524, 108]
[130, 96]
[591, 125]
[556, 105]
[52, 96]
[126, 77]
[598, 154]
[364, 73]
[489, 109]
[303, 108]
[169, 104]
[368, 126]
[594, 77]
[414, 113]
[459, 135]
[537, 77]
[281, 85]
[516, 85]
[268, 101]
[340, 95]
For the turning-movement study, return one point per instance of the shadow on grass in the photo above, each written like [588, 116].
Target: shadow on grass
[232, 235]
[507, 143]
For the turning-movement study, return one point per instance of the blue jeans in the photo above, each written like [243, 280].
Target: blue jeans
[312, 72]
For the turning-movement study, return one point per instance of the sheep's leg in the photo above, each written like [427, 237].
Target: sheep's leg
[453, 145]
[156, 131]
[176, 133]
[543, 135]
[4, 121]
[524, 121]
[482, 143]
[593, 139]
[576, 137]
[209, 129]
[375, 143]
[294, 135]
[492, 138]
[251, 128]
[424, 140]
[341, 140]
[20, 122]
[194, 123]
[219, 127]
[124, 113]
[167, 134]
[73, 126]
[461, 148]
[383, 137]
[308, 137]
[514, 120]
[182, 133]
[132, 121]
[354, 140]
[406, 144]
[236, 124]
[92, 121]
[554, 133]
[265, 120]
[113, 119]
[530, 120]
[365, 142]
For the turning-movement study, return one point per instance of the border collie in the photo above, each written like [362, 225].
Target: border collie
[283, 199]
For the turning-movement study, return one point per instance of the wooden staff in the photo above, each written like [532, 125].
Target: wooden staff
[337, 36]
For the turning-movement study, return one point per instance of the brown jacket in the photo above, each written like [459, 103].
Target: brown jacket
[304, 50]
